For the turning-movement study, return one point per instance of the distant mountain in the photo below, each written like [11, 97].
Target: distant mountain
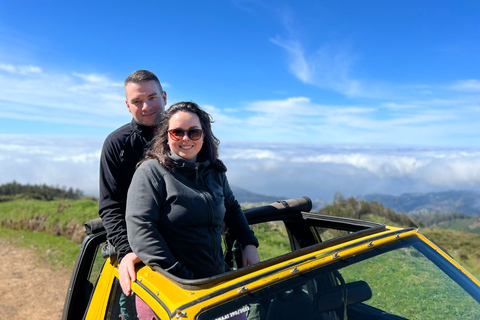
[246, 197]
[449, 201]
[250, 199]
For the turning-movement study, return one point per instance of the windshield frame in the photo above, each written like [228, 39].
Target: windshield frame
[457, 275]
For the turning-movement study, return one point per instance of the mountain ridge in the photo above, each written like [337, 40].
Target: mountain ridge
[464, 201]
[245, 197]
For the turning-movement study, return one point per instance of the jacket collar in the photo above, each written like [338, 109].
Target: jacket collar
[182, 163]
[144, 131]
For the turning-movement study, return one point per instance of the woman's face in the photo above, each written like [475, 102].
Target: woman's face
[185, 147]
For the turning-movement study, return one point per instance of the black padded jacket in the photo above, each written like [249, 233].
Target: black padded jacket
[121, 152]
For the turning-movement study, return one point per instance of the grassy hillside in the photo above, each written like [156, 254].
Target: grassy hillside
[59, 217]
[471, 225]
[463, 246]
[55, 229]
[372, 211]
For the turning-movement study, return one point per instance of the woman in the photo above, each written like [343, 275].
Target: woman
[179, 197]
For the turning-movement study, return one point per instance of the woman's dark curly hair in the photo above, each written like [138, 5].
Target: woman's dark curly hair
[160, 149]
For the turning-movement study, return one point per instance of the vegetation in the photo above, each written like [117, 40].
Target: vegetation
[60, 252]
[58, 217]
[463, 246]
[373, 211]
[435, 296]
[40, 223]
[455, 221]
[15, 190]
[273, 240]
[432, 219]
[471, 225]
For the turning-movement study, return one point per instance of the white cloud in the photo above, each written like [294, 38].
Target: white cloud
[471, 85]
[52, 160]
[297, 62]
[22, 69]
[329, 67]
[318, 171]
[60, 98]
[95, 78]
[415, 122]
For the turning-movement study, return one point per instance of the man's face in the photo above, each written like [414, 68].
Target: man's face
[145, 102]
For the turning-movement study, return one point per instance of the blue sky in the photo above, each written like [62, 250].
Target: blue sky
[309, 97]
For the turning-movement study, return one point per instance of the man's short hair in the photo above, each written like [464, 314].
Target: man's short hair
[142, 76]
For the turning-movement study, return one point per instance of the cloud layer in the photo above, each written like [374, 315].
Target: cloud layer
[280, 169]
[321, 170]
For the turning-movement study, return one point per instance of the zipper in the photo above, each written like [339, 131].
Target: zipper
[208, 200]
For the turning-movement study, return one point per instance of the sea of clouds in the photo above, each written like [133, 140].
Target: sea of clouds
[285, 170]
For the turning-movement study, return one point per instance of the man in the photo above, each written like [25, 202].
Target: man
[122, 150]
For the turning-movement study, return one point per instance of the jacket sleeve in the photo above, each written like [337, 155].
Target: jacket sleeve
[113, 191]
[235, 218]
[144, 203]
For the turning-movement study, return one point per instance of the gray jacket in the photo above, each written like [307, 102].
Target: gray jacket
[174, 219]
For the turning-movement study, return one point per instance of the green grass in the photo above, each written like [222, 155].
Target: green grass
[46, 226]
[58, 251]
[56, 217]
[273, 240]
[405, 283]
[463, 246]
[55, 211]
[471, 225]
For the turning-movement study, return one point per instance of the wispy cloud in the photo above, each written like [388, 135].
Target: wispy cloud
[297, 62]
[328, 67]
[81, 99]
[22, 69]
[416, 122]
[74, 98]
[471, 85]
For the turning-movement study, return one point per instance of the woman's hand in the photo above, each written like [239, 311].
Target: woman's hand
[250, 255]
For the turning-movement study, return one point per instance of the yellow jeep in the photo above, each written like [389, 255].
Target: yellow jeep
[333, 268]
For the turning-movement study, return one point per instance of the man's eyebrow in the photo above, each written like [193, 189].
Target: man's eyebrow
[138, 99]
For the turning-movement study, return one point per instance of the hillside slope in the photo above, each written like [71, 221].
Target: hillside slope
[65, 218]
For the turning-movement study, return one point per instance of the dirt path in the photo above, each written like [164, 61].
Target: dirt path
[30, 288]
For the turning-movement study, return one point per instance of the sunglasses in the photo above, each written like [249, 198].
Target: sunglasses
[192, 134]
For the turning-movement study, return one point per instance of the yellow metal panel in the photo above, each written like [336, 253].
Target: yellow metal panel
[173, 296]
[99, 301]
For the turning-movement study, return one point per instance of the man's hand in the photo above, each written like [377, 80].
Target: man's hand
[126, 272]
[250, 255]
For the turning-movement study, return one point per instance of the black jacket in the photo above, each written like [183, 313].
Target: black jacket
[121, 152]
[175, 218]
